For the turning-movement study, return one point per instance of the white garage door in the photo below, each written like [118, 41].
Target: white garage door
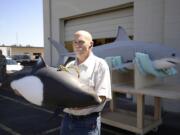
[101, 25]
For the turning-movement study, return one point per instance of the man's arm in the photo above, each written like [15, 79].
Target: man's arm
[103, 82]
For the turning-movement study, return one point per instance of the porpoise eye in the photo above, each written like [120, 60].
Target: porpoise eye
[173, 54]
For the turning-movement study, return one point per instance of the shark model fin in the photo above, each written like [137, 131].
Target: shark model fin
[121, 35]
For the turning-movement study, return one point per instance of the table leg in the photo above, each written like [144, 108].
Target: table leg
[157, 108]
[140, 111]
[113, 102]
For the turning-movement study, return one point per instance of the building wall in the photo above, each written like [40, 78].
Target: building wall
[55, 11]
[157, 21]
[9, 51]
[148, 20]
[5, 50]
[154, 21]
[27, 50]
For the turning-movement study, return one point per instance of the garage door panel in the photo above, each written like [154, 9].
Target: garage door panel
[101, 31]
[101, 26]
[100, 17]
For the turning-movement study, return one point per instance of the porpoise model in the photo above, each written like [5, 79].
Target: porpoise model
[45, 86]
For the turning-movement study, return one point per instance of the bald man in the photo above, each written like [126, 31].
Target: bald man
[94, 72]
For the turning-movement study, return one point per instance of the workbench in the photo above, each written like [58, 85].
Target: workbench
[139, 86]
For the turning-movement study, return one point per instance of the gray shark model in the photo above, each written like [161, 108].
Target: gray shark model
[162, 56]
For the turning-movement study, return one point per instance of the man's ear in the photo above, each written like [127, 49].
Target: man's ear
[91, 44]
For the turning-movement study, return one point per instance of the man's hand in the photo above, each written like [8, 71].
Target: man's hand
[102, 98]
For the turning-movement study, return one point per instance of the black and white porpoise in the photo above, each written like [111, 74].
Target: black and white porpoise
[45, 86]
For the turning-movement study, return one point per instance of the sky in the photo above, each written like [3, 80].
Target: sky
[21, 22]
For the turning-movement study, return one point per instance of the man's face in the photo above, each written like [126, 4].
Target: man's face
[81, 44]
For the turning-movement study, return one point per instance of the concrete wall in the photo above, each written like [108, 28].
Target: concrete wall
[157, 21]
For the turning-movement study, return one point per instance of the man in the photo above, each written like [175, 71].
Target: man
[2, 67]
[94, 72]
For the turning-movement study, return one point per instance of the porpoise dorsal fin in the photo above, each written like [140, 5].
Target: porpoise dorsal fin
[38, 65]
[121, 35]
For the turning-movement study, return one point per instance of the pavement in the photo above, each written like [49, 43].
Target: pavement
[18, 117]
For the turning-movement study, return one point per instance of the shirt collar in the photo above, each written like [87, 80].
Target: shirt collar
[88, 62]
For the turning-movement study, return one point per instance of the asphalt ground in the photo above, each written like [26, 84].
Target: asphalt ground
[18, 117]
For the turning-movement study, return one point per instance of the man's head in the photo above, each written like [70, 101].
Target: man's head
[82, 43]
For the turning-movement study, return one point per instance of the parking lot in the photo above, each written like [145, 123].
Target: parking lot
[17, 117]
